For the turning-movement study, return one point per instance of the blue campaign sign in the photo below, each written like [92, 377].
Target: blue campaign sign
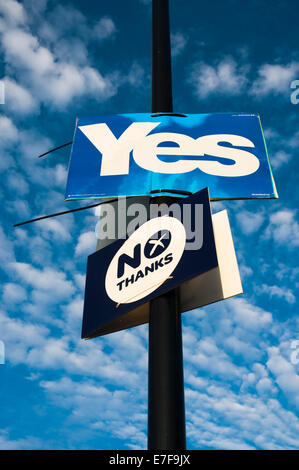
[122, 277]
[141, 154]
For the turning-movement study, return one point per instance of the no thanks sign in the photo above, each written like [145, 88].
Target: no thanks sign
[157, 257]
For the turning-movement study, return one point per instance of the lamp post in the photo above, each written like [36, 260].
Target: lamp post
[166, 406]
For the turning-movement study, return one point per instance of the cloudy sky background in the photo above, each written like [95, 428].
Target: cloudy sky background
[62, 60]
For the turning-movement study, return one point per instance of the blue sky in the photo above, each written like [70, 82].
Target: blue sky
[60, 61]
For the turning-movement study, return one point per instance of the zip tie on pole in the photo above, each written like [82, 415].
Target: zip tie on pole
[64, 212]
[53, 150]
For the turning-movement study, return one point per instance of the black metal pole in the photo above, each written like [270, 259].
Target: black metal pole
[161, 58]
[166, 405]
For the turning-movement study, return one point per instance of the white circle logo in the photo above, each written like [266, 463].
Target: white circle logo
[145, 260]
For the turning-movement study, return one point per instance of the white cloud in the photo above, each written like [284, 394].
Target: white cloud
[23, 50]
[58, 229]
[279, 141]
[245, 270]
[178, 43]
[285, 375]
[35, 7]
[274, 78]
[220, 418]
[282, 216]
[12, 11]
[250, 317]
[17, 183]
[242, 348]
[31, 144]
[280, 158]
[105, 28]
[37, 247]
[48, 78]
[68, 33]
[237, 329]
[293, 142]
[135, 76]
[19, 208]
[283, 228]
[88, 402]
[73, 313]
[6, 250]
[19, 337]
[225, 419]
[31, 344]
[250, 222]
[80, 280]
[61, 21]
[60, 175]
[54, 66]
[229, 78]
[27, 443]
[8, 131]
[19, 144]
[86, 243]
[223, 78]
[6, 160]
[13, 293]
[18, 99]
[265, 386]
[277, 291]
[50, 280]
[207, 356]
